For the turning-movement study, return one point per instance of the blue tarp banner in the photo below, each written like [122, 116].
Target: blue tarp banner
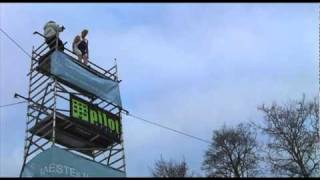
[57, 162]
[63, 67]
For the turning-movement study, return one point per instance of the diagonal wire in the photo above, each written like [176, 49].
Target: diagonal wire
[15, 42]
[170, 129]
[12, 104]
[21, 48]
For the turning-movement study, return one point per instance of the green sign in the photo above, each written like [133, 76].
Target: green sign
[56, 162]
[84, 111]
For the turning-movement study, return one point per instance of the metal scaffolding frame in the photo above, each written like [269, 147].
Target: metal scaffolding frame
[49, 97]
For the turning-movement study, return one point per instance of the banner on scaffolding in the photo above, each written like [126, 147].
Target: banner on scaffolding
[64, 68]
[91, 114]
[57, 162]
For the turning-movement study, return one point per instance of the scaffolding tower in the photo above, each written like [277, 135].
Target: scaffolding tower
[48, 113]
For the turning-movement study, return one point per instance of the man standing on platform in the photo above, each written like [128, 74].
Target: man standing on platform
[51, 29]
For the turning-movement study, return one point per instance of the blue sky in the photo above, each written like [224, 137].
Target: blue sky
[192, 67]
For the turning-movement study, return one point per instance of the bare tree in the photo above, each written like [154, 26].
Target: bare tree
[170, 168]
[232, 153]
[293, 132]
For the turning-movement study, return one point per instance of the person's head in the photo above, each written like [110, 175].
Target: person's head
[84, 33]
[76, 39]
[51, 21]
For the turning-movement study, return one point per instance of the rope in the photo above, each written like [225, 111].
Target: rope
[170, 129]
[15, 42]
[6, 105]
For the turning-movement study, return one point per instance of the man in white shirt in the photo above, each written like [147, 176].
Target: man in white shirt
[51, 29]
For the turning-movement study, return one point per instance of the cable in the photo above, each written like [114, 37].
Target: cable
[13, 104]
[168, 128]
[17, 44]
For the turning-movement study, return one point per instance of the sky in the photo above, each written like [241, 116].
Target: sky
[192, 67]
